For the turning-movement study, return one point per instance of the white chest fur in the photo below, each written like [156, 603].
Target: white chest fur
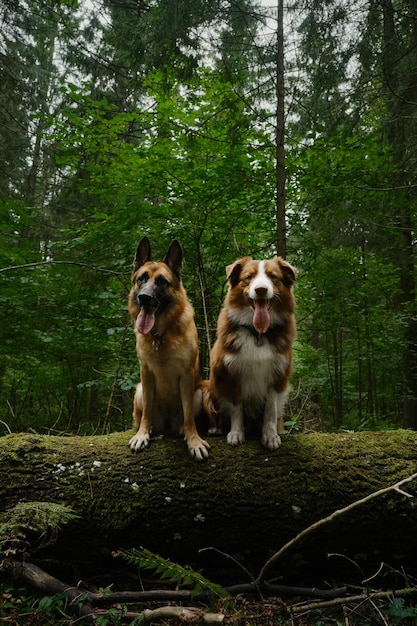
[256, 364]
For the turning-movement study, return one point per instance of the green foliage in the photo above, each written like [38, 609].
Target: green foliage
[174, 137]
[19, 605]
[112, 617]
[173, 573]
[400, 613]
[31, 526]
[15, 601]
[349, 351]
[54, 606]
[185, 166]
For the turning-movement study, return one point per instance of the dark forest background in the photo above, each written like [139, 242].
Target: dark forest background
[124, 118]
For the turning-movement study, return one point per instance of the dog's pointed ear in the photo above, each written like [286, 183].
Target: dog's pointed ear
[142, 254]
[290, 272]
[173, 258]
[233, 270]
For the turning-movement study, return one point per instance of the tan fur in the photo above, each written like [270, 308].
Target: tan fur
[250, 370]
[168, 396]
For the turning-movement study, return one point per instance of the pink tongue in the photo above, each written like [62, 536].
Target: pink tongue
[145, 321]
[261, 319]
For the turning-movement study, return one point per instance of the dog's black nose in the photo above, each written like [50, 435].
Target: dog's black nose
[145, 300]
[261, 292]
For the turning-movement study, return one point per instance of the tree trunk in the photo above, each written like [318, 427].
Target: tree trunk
[245, 502]
[280, 172]
[401, 94]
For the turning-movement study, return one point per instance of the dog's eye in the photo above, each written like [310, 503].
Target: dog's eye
[274, 277]
[161, 281]
[248, 277]
[142, 278]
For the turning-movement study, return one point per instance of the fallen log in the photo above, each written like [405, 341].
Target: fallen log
[83, 603]
[243, 502]
[45, 584]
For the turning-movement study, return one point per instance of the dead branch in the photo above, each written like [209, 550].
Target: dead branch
[183, 613]
[363, 597]
[43, 582]
[326, 520]
[52, 262]
[40, 580]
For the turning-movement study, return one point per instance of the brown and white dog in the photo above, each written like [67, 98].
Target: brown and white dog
[251, 360]
[168, 395]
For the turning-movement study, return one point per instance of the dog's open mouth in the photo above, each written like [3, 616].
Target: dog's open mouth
[145, 320]
[261, 318]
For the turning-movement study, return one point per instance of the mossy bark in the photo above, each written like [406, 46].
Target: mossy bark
[246, 502]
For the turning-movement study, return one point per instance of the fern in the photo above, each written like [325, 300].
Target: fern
[172, 572]
[30, 526]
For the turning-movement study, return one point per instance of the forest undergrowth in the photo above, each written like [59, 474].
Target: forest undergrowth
[175, 594]
[366, 606]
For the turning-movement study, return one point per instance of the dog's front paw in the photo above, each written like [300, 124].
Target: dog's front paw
[198, 448]
[271, 440]
[140, 441]
[235, 438]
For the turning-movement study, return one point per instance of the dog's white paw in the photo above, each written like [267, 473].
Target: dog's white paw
[214, 431]
[271, 440]
[235, 438]
[140, 441]
[198, 448]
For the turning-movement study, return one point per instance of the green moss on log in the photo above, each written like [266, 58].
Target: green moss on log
[244, 501]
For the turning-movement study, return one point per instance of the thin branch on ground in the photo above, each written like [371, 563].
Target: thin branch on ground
[326, 520]
[376, 595]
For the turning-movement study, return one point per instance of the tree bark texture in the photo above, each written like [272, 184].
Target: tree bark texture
[245, 502]
[280, 170]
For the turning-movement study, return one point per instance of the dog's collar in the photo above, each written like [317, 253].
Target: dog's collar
[258, 337]
[157, 340]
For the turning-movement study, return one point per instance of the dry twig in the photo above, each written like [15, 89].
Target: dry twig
[326, 520]
[376, 595]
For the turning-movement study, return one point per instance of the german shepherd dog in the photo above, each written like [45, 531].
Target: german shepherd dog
[251, 360]
[168, 396]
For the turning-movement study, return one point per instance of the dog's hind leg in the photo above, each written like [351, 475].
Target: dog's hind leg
[208, 409]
